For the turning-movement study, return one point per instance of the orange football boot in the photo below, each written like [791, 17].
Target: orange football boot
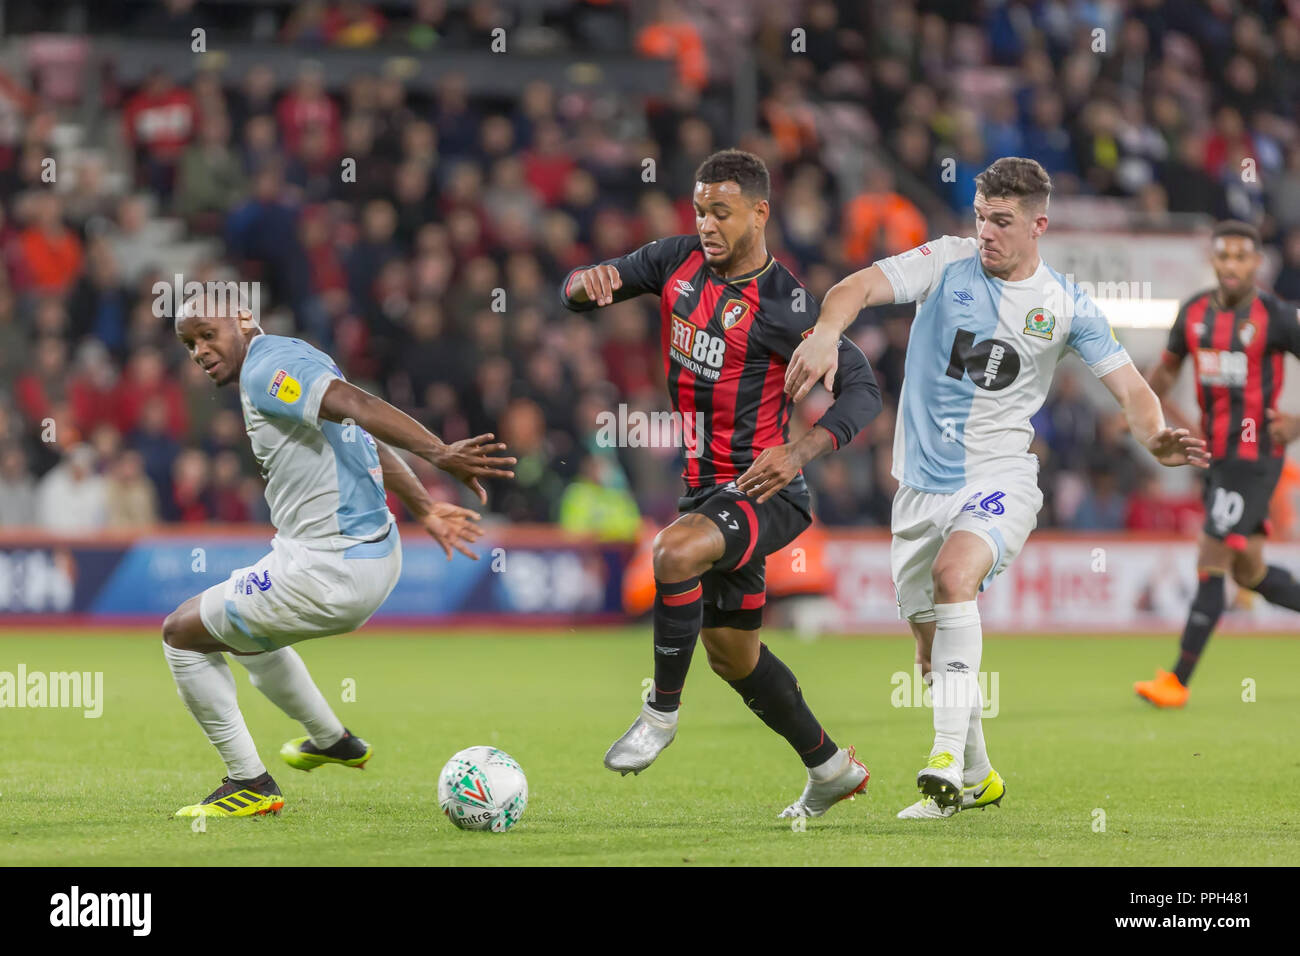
[1165, 691]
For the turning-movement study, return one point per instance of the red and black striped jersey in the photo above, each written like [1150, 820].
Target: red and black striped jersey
[1237, 363]
[726, 345]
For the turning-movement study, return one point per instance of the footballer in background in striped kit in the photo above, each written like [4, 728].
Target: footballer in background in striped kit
[1236, 335]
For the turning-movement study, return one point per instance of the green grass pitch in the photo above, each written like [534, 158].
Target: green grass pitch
[1208, 785]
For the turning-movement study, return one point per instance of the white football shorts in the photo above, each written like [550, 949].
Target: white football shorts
[296, 593]
[1001, 508]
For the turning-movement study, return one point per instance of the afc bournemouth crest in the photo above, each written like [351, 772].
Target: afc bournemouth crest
[1040, 322]
[1246, 331]
[733, 313]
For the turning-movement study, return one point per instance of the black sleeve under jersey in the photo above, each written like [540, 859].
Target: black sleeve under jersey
[1176, 345]
[857, 396]
[1284, 325]
[643, 271]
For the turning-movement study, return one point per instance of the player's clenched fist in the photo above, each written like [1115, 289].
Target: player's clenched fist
[597, 284]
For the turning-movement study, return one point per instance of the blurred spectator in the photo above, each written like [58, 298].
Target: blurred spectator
[228, 501]
[598, 502]
[211, 177]
[17, 489]
[351, 23]
[157, 448]
[305, 106]
[147, 382]
[101, 301]
[136, 240]
[673, 35]
[191, 498]
[1287, 284]
[159, 120]
[879, 222]
[262, 234]
[44, 386]
[71, 498]
[129, 495]
[50, 252]
[1104, 506]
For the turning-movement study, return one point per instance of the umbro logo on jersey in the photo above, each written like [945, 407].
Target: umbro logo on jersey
[962, 297]
[684, 287]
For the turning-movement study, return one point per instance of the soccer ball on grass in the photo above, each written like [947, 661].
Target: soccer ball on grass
[483, 788]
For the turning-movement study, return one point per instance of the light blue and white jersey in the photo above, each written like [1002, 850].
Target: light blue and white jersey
[324, 482]
[980, 361]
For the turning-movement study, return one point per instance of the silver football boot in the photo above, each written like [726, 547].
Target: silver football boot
[645, 740]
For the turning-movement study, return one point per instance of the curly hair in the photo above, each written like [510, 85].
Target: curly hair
[737, 166]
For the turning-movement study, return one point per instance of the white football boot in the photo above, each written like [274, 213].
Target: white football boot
[941, 780]
[820, 795]
[645, 740]
[926, 809]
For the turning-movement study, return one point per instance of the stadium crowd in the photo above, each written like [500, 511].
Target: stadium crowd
[397, 270]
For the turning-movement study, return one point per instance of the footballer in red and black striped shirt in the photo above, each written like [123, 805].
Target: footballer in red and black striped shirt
[1236, 336]
[731, 317]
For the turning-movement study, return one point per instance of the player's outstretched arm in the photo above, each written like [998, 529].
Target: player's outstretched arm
[817, 357]
[1169, 446]
[467, 460]
[450, 525]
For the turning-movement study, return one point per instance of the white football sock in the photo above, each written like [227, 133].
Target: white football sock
[831, 767]
[207, 687]
[668, 717]
[955, 662]
[976, 756]
[282, 676]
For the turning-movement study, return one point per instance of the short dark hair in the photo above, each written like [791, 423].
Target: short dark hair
[1235, 227]
[737, 166]
[1016, 176]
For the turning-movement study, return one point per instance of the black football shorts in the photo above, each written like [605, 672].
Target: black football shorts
[735, 588]
[1237, 494]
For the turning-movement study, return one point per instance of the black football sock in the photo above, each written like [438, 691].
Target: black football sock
[772, 693]
[1279, 587]
[679, 614]
[1207, 607]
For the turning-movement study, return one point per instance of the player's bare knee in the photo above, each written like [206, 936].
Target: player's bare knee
[723, 665]
[954, 582]
[1247, 574]
[679, 554]
[173, 630]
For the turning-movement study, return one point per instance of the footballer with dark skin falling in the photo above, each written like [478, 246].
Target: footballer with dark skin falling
[326, 449]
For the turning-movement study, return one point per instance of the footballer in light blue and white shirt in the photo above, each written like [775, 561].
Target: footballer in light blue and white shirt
[323, 445]
[992, 321]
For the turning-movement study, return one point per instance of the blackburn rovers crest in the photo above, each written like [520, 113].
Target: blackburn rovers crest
[1041, 323]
